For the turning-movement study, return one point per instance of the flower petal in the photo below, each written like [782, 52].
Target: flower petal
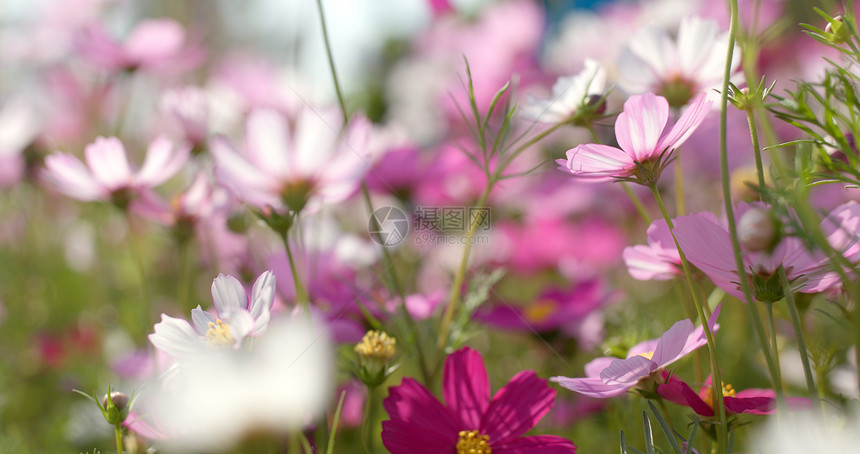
[419, 423]
[595, 162]
[540, 444]
[465, 386]
[687, 124]
[672, 342]
[262, 298]
[177, 338]
[628, 371]
[639, 126]
[709, 247]
[228, 294]
[161, 162]
[269, 142]
[592, 387]
[70, 176]
[202, 319]
[108, 163]
[517, 407]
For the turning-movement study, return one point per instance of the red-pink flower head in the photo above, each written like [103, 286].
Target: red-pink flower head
[470, 418]
[754, 401]
[645, 144]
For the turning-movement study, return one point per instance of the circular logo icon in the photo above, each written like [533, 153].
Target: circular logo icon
[388, 226]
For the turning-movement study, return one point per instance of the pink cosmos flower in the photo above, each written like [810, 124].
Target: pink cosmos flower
[238, 316]
[420, 424]
[645, 144]
[107, 175]
[569, 95]
[708, 246]
[155, 44]
[754, 401]
[610, 377]
[658, 260]
[296, 164]
[199, 202]
[676, 69]
[189, 108]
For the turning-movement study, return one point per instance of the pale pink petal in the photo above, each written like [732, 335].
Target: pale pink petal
[592, 387]
[240, 323]
[70, 176]
[262, 298]
[709, 247]
[672, 342]
[628, 371]
[316, 137]
[177, 338]
[646, 263]
[695, 35]
[161, 162]
[639, 126]
[594, 367]
[202, 319]
[250, 184]
[687, 124]
[595, 162]
[108, 163]
[269, 144]
[154, 40]
[465, 386]
[228, 294]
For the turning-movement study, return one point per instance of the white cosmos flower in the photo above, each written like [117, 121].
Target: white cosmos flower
[810, 432]
[237, 317]
[209, 404]
[569, 94]
[676, 69]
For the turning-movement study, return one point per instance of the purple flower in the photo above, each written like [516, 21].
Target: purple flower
[610, 377]
[420, 424]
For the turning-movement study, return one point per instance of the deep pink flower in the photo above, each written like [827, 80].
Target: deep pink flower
[107, 175]
[610, 377]
[645, 144]
[420, 424]
[155, 44]
[754, 401]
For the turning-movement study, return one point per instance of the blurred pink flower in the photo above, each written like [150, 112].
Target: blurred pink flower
[569, 95]
[708, 246]
[658, 260]
[199, 202]
[754, 401]
[610, 377]
[189, 108]
[295, 164]
[155, 44]
[645, 144]
[677, 69]
[107, 175]
[420, 424]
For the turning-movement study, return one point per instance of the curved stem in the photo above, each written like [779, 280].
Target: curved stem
[801, 342]
[722, 441]
[330, 56]
[301, 295]
[756, 149]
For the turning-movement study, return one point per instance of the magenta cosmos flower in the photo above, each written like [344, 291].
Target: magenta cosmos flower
[645, 144]
[107, 175]
[610, 376]
[754, 401]
[295, 163]
[470, 421]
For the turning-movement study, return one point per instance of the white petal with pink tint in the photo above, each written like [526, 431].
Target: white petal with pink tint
[597, 162]
[639, 126]
[161, 162]
[687, 124]
[70, 175]
[268, 142]
[107, 162]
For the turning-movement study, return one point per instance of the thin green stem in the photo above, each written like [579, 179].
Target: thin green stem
[801, 342]
[368, 431]
[330, 56]
[756, 148]
[141, 270]
[727, 198]
[537, 138]
[722, 440]
[118, 435]
[454, 295]
[185, 286]
[774, 345]
[301, 295]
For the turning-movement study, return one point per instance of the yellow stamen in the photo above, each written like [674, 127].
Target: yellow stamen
[539, 311]
[728, 391]
[646, 355]
[473, 442]
[219, 334]
[376, 345]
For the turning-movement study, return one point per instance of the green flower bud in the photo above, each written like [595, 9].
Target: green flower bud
[116, 408]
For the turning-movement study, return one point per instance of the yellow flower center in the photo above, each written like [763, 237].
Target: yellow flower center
[728, 391]
[473, 442]
[376, 345]
[219, 334]
[539, 311]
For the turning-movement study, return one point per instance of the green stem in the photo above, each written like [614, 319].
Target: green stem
[680, 206]
[756, 149]
[185, 283]
[118, 434]
[801, 342]
[368, 432]
[141, 270]
[301, 295]
[774, 345]
[722, 441]
[413, 331]
[454, 296]
[727, 199]
[330, 56]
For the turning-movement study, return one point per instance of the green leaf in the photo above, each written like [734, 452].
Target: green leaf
[665, 428]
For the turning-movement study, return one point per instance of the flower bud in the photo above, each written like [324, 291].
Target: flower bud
[758, 230]
[374, 353]
[837, 31]
[116, 409]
